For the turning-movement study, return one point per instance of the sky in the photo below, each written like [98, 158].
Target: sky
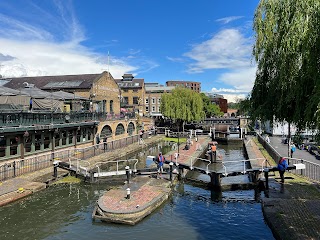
[205, 41]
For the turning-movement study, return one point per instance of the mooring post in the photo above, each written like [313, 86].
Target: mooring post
[215, 180]
[171, 167]
[128, 193]
[55, 170]
[128, 173]
[266, 176]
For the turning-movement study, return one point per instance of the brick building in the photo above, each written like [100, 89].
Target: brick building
[101, 89]
[219, 100]
[132, 94]
[195, 86]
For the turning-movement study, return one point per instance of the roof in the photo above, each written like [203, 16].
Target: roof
[83, 81]
[4, 91]
[135, 83]
[159, 88]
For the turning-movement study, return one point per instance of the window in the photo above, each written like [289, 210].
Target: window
[130, 128]
[135, 100]
[119, 129]
[153, 100]
[146, 100]
[111, 105]
[159, 100]
[70, 134]
[153, 108]
[147, 109]
[37, 142]
[158, 108]
[46, 140]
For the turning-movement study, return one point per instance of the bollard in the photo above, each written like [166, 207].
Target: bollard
[128, 193]
[171, 167]
[266, 176]
[14, 168]
[55, 168]
[128, 173]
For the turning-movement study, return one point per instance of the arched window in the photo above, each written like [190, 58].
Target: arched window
[106, 131]
[119, 129]
[131, 128]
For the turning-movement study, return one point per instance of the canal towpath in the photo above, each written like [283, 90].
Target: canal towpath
[292, 209]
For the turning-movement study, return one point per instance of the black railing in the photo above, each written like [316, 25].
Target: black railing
[14, 118]
[41, 161]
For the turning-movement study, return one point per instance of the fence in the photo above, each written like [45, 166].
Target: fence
[41, 161]
[312, 170]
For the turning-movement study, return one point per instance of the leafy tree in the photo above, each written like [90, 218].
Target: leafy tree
[287, 50]
[244, 106]
[233, 105]
[209, 108]
[182, 105]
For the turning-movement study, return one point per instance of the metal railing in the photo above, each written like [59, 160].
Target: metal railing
[312, 170]
[10, 118]
[119, 170]
[247, 165]
[40, 161]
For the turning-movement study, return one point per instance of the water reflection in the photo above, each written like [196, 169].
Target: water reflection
[64, 212]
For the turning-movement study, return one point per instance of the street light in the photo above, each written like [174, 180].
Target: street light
[178, 138]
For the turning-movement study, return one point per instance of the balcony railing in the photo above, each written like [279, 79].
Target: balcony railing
[12, 118]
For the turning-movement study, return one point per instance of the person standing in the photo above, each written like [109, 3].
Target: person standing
[292, 149]
[267, 139]
[105, 144]
[282, 166]
[30, 104]
[97, 140]
[160, 165]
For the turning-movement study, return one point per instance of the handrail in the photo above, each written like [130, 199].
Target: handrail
[244, 164]
[195, 158]
[98, 164]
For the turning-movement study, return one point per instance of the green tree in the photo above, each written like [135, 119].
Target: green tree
[244, 106]
[287, 51]
[182, 105]
[209, 108]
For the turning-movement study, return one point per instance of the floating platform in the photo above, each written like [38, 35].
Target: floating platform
[146, 195]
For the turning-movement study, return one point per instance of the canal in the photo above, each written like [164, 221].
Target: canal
[64, 212]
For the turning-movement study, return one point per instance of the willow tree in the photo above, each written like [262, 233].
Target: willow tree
[182, 105]
[287, 51]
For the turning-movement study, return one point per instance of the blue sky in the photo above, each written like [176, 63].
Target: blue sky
[159, 40]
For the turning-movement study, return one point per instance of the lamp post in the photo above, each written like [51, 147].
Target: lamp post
[178, 138]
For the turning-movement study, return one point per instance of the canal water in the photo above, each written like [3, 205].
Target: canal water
[64, 212]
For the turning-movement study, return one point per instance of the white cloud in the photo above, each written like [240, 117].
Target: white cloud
[178, 60]
[234, 97]
[36, 51]
[242, 79]
[228, 19]
[227, 49]
[42, 58]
